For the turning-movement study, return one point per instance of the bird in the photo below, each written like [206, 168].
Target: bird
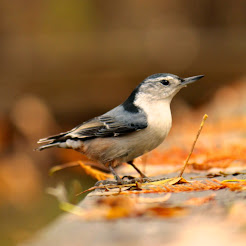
[135, 127]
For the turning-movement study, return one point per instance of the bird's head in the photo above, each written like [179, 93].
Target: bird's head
[163, 86]
[157, 87]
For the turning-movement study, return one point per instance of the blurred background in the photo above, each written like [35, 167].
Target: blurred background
[62, 62]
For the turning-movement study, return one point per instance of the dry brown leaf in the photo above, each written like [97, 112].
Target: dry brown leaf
[197, 201]
[99, 175]
[178, 180]
[167, 211]
[63, 166]
[118, 207]
[235, 185]
[93, 172]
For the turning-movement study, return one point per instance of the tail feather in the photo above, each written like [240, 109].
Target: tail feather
[62, 140]
[46, 146]
[52, 141]
[51, 138]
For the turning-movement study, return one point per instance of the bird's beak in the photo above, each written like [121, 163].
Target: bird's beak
[192, 79]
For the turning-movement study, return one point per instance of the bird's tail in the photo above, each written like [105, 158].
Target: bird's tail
[46, 146]
[52, 141]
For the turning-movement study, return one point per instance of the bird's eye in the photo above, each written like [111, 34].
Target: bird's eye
[165, 82]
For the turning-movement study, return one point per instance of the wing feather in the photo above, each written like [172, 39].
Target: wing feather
[116, 122]
[107, 126]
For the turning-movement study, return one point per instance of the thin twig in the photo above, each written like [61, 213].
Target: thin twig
[194, 143]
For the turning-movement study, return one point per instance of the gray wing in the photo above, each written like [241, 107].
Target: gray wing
[116, 122]
[112, 124]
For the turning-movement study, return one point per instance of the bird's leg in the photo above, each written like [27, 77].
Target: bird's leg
[142, 175]
[116, 176]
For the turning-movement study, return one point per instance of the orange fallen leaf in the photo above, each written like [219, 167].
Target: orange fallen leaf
[235, 185]
[62, 166]
[93, 172]
[118, 207]
[178, 180]
[197, 201]
[99, 175]
[167, 211]
[118, 212]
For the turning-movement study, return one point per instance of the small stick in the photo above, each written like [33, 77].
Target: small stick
[194, 143]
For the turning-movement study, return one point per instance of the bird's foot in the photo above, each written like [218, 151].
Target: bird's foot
[128, 177]
[123, 181]
[145, 179]
[110, 182]
[105, 182]
[131, 179]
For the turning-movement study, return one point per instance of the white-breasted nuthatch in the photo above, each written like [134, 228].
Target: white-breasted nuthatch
[132, 129]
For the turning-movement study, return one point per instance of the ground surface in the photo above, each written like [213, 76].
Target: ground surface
[194, 224]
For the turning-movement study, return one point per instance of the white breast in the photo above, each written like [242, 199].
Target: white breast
[159, 124]
[159, 116]
[158, 113]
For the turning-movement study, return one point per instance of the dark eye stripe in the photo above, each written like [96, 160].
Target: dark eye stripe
[164, 82]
